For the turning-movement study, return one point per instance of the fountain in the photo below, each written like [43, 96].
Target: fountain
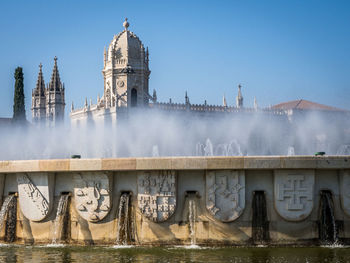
[291, 151]
[4, 209]
[192, 220]
[260, 224]
[10, 227]
[237, 196]
[61, 220]
[327, 225]
[344, 149]
[155, 151]
[125, 230]
[199, 149]
[208, 148]
[191, 197]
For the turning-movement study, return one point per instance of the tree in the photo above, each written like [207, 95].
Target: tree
[19, 112]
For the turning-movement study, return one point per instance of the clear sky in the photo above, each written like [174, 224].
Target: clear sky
[278, 50]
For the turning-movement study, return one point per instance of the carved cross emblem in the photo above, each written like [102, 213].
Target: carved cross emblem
[294, 191]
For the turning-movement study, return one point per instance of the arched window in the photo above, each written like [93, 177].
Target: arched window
[133, 98]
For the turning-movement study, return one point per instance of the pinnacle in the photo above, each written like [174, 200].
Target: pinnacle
[40, 84]
[55, 82]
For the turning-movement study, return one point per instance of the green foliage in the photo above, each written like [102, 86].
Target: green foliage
[19, 113]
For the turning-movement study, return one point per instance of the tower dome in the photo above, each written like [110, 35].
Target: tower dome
[126, 49]
[126, 71]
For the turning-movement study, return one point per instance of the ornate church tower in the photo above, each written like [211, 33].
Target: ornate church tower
[55, 98]
[126, 71]
[39, 99]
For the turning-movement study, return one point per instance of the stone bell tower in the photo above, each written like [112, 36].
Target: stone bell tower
[126, 71]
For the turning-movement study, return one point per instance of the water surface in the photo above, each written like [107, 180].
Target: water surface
[171, 254]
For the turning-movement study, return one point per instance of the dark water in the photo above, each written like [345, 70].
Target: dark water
[103, 254]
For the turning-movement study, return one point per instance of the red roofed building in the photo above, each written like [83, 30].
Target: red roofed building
[305, 105]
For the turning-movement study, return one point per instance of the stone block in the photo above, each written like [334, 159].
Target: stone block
[333, 162]
[153, 164]
[19, 166]
[85, 164]
[188, 163]
[54, 165]
[265, 162]
[214, 163]
[298, 162]
[120, 164]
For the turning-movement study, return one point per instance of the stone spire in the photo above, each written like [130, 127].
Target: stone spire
[55, 102]
[255, 104]
[40, 83]
[224, 103]
[39, 99]
[154, 96]
[187, 99]
[239, 98]
[55, 82]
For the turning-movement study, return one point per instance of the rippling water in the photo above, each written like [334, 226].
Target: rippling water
[176, 254]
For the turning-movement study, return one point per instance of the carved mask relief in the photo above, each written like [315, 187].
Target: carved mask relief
[92, 196]
[225, 194]
[35, 195]
[157, 194]
[294, 192]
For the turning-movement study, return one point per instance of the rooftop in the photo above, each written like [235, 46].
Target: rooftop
[304, 105]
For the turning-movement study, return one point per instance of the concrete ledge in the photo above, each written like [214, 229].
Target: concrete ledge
[177, 163]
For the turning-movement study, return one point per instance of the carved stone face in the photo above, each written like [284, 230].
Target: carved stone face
[91, 196]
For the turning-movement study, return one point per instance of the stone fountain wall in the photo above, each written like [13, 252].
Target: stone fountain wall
[223, 188]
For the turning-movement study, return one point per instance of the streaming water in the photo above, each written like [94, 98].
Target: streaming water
[192, 220]
[260, 224]
[199, 149]
[11, 221]
[155, 151]
[208, 148]
[291, 151]
[4, 209]
[344, 150]
[59, 220]
[125, 231]
[327, 225]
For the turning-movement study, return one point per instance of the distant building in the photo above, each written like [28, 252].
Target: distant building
[126, 86]
[126, 74]
[48, 103]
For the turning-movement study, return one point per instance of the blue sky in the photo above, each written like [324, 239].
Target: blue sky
[278, 50]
